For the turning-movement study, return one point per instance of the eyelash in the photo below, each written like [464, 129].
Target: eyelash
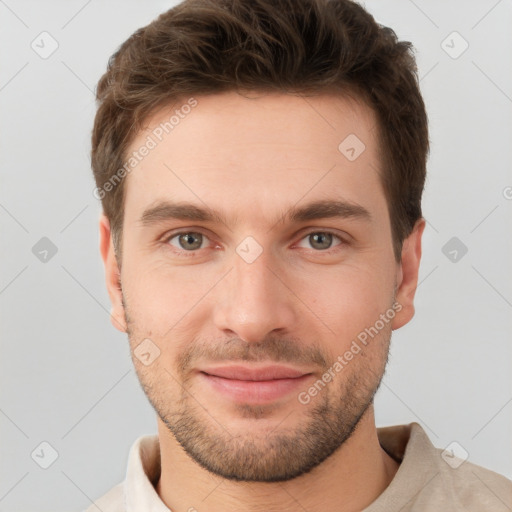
[188, 254]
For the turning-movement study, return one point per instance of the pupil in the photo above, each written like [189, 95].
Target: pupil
[191, 241]
[318, 237]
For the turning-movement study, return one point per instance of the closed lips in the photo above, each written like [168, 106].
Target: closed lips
[254, 374]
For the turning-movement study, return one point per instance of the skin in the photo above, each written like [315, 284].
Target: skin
[297, 302]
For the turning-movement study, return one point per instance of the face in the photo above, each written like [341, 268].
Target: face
[259, 284]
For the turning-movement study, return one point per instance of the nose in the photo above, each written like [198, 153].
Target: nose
[255, 300]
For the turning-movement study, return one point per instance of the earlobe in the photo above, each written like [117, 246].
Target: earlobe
[407, 275]
[112, 275]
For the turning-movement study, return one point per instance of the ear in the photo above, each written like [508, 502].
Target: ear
[407, 275]
[112, 275]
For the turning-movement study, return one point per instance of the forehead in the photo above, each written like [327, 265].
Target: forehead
[232, 152]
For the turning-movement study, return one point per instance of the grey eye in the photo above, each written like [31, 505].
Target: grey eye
[320, 240]
[188, 241]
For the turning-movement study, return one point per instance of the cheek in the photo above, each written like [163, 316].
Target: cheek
[162, 291]
[349, 299]
[169, 305]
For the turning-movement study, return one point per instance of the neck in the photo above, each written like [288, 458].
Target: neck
[349, 480]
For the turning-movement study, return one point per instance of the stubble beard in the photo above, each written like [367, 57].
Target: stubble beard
[263, 455]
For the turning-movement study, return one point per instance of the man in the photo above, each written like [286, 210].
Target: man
[260, 166]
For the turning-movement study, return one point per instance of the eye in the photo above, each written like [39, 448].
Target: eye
[187, 240]
[190, 242]
[321, 240]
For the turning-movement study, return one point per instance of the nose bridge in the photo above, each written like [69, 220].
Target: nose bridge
[254, 281]
[254, 301]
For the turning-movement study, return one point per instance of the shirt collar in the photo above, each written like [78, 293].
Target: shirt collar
[406, 443]
[142, 475]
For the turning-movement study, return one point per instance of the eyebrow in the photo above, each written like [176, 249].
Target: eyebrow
[322, 209]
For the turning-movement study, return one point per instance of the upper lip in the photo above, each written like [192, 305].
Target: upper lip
[256, 374]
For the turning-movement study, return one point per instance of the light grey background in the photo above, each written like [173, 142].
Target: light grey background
[66, 374]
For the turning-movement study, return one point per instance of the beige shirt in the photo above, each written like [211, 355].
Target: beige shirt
[425, 481]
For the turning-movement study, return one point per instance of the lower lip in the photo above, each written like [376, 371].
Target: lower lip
[255, 391]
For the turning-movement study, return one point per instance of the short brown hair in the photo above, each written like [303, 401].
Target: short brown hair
[287, 46]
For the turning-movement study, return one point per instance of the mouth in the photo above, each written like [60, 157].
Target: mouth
[254, 385]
